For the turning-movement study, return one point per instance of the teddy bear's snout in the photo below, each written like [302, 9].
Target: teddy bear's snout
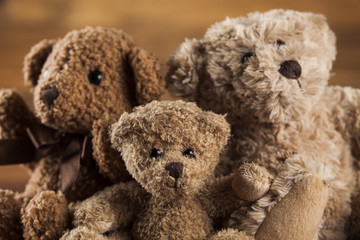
[49, 95]
[175, 169]
[290, 69]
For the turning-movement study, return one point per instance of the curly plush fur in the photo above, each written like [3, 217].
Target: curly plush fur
[174, 195]
[269, 73]
[129, 76]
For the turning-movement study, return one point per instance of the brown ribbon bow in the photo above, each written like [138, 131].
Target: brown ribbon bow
[42, 141]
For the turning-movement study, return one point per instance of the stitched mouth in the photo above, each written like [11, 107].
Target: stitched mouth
[298, 82]
[176, 184]
[294, 79]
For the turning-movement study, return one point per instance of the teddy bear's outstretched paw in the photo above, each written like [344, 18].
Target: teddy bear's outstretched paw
[10, 227]
[230, 234]
[46, 216]
[15, 116]
[251, 181]
[301, 210]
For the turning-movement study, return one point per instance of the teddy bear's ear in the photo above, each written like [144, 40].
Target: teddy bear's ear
[217, 126]
[326, 37]
[149, 84]
[119, 130]
[35, 60]
[182, 78]
[316, 19]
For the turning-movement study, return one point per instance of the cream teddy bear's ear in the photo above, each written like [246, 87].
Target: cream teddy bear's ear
[182, 78]
[35, 60]
[323, 35]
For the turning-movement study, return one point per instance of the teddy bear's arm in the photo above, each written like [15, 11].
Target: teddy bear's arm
[15, 116]
[110, 208]
[10, 227]
[301, 211]
[249, 183]
[343, 105]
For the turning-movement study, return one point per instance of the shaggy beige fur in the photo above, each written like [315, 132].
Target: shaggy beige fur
[269, 73]
[96, 75]
[171, 150]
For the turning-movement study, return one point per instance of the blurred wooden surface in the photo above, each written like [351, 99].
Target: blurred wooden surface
[158, 26]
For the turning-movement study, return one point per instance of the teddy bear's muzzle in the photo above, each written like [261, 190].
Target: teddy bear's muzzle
[49, 95]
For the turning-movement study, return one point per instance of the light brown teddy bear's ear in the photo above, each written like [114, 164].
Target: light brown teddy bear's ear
[182, 78]
[119, 130]
[35, 60]
[215, 127]
[149, 84]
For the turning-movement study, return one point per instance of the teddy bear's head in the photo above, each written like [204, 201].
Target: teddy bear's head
[271, 65]
[170, 147]
[87, 73]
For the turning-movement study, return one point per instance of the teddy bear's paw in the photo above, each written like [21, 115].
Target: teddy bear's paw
[14, 114]
[118, 235]
[94, 217]
[230, 234]
[10, 227]
[251, 181]
[46, 216]
[301, 211]
[82, 233]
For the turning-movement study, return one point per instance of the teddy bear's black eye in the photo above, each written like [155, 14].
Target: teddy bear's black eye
[155, 153]
[189, 153]
[246, 57]
[280, 42]
[95, 77]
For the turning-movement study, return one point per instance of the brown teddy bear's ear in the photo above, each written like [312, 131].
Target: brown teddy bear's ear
[182, 78]
[149, 84]
[35, 60]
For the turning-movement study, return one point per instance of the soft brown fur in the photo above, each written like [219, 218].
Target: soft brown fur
[130, 76]
[157, 205]
[276, 120]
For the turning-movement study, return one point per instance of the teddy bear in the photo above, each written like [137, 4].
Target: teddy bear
[81, 83]
[268, 72]
[171, 149]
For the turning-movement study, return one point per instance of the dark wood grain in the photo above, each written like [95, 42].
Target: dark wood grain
[158, 26]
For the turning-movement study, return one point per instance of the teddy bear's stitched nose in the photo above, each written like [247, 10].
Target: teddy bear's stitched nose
[290, 69]
[175, 169]
[49, 95]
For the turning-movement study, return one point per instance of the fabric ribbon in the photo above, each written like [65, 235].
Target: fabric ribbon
[41, 141]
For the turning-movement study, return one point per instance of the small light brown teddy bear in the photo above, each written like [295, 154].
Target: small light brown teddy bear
[171, 149]
[269, 73]
[81, 84]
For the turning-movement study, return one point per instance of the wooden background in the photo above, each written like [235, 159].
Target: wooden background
[158, 26]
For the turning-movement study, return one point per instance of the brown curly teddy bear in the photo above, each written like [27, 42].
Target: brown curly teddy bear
[269, 73]
[171, 149]
[81, 84]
